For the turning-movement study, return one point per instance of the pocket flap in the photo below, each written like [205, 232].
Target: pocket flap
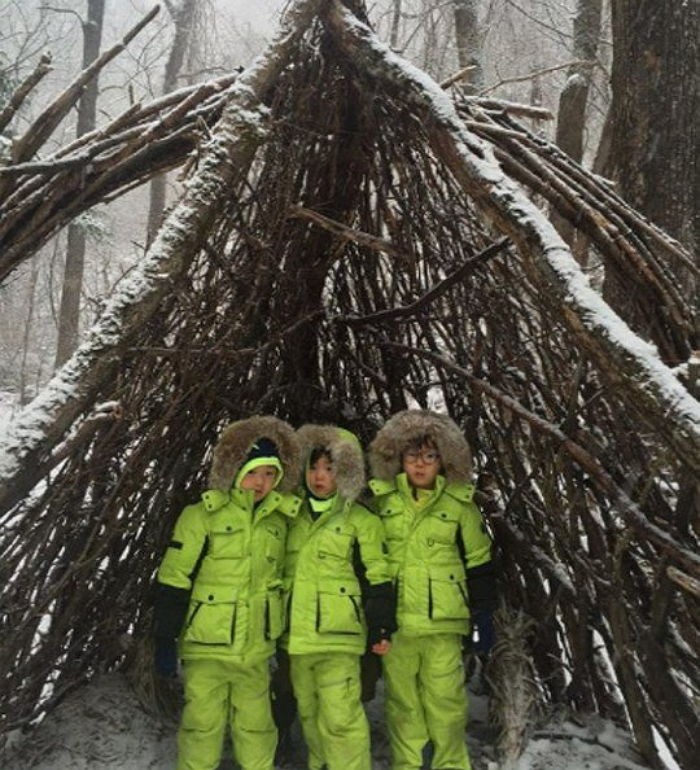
[339, 587]
[209, 594]
[447, 573]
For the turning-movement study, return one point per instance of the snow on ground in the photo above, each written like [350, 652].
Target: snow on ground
[102, 727]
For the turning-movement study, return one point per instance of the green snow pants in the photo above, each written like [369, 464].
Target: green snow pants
[327, 689]
[220, 693]
[425, 700]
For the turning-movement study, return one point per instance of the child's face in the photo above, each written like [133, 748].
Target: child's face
[260, 480]
[421, 466]
[320, 478]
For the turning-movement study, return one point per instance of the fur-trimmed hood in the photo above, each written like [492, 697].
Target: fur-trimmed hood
[391, 441]
[235, 442]
[346, 453]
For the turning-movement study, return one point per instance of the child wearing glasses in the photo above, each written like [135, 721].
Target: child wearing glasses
[440, 557]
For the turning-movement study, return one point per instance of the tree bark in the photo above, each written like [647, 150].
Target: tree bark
[655, 86]
[468, 37]
[69, 313]
[571, 119]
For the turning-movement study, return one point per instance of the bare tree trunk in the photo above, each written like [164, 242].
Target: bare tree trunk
[655, 85]
[183, 17]
[395, 24]
[31, 294]
[468, 37]
[69, 314]
[571, 120]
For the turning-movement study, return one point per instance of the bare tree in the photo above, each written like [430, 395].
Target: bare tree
[69, 313]
[655, 83]
[183, 17]
[571, 120]
[468, 37]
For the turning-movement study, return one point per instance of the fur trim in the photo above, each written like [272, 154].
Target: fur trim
[237, 439]
[391, 441]
[345, 449]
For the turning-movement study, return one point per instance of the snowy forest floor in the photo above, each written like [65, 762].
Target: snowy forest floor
[103, 727]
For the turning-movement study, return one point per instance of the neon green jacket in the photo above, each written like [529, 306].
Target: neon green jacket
[325, 598]
[229, 560]
[439, 553]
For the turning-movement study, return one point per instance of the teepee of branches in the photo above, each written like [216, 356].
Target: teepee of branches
[353, 240]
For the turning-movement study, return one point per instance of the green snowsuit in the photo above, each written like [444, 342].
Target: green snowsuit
[220, 590]
[429, 547]
[328, 630]
[234, 616]
[327, 624]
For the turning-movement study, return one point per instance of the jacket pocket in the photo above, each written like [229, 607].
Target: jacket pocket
[335, 542]
[447, 593]
[227, 541]
[210, 619]
[338, 608]
[274, 613]
[440, 528]
[394, 521]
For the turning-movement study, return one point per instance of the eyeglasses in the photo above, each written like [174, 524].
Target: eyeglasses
[429, 458]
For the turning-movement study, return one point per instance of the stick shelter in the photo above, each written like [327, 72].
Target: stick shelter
[353, 240]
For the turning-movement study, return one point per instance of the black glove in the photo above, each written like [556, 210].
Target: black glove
[165, 657]
[380, 611]
[482, 624]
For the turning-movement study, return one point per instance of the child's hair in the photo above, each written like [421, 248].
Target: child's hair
[418, 442]
[317, 453]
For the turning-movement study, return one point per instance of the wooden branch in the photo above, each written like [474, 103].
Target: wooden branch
[406, 311]
[511, 108]
[686, 582]
[457, 76]
[27, 85]
[538, 73]
[343, 231]
[626, 361]
[225, 160]
[627, 507]
[44, 125]
[48, 168]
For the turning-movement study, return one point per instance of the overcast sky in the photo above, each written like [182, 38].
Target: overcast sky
[261, 14]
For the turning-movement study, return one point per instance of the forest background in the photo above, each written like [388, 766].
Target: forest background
[553, 54]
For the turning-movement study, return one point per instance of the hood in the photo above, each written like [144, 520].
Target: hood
[386, 449]
[345, 449]
[237, 439]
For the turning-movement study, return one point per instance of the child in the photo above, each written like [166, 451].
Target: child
[422, 468]
[220, 591]
[330, 542]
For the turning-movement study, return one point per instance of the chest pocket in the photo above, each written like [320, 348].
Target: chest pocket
[226, 540]
[439, 528]
[394, 521]
[335, 542]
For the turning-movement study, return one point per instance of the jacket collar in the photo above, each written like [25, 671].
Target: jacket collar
[214, 499]
[460, 491]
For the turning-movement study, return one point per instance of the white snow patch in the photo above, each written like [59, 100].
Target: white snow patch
[103, 727]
